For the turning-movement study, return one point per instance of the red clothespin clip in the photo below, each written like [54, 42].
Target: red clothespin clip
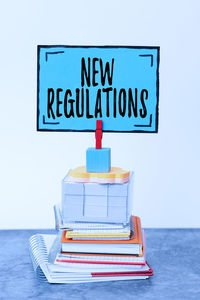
[98, 134]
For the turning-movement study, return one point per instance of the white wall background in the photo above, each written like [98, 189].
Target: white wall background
[167, 164]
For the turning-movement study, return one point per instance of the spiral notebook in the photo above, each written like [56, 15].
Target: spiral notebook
[40, 246]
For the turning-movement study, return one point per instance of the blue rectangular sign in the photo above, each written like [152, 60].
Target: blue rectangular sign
[78, 85]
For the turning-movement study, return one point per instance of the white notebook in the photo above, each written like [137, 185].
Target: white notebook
[76, 273]
[132, 249]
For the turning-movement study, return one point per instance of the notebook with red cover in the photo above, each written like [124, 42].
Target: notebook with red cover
[148, 272]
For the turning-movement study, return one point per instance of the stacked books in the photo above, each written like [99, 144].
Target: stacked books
[98, 237]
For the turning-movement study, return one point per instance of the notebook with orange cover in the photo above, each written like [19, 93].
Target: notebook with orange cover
[64, 257]
[132, 246]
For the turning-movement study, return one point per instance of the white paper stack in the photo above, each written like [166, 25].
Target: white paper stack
[93, 202]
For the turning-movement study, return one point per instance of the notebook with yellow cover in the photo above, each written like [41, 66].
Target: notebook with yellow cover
[99, 234]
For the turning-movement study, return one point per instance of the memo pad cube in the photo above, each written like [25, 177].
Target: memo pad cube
[93, 202]
[98, 160]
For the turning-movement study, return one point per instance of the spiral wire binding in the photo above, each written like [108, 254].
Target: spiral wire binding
[38, 253]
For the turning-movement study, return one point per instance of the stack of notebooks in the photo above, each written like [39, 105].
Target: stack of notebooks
[86, 254]
[98, 239]
[91, 252]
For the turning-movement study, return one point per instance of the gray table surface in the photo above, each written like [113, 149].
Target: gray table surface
[174, 255]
